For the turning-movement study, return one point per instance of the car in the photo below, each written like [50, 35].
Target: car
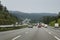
[39, 26]
[30, 26]
[42, 24]
[45, 25]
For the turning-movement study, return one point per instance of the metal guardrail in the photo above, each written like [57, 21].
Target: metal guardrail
[9, 25]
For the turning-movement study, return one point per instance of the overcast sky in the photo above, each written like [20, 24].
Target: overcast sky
[32, 6]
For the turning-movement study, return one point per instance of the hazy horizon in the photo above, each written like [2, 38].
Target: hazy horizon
[33, 6]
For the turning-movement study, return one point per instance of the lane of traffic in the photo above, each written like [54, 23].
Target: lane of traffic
[43, 35]
[11, 34]
[55, 30]
[37, 34]
[53, 33]
[28, 35]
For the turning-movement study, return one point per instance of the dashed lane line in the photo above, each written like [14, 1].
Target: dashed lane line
[56, 37]
[16, 37]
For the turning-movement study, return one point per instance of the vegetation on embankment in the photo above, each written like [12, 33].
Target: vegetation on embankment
[53, 22]
[5, 17]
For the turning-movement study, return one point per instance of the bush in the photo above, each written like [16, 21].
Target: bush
[52, 23]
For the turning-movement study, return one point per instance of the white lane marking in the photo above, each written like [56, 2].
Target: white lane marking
[49, 32]
[53, 33]
[56, 37]
[16, 37]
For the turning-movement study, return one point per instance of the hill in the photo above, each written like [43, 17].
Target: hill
[32, 16]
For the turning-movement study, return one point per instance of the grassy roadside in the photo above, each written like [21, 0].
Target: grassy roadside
[12, 28]
[53, 22]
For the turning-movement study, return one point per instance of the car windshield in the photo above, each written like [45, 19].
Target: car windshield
[29, 19]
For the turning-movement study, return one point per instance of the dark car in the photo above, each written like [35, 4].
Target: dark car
[39, 26]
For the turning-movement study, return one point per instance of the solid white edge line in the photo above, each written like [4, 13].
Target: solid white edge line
[16, 37]
[56, 37]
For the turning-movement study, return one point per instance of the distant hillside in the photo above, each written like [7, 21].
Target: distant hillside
[32, 16]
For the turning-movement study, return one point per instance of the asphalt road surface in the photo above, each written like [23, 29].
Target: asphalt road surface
[31, 34]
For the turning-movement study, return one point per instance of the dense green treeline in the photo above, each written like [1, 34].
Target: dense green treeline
[5, 17]
[48, 19]
[51, 20]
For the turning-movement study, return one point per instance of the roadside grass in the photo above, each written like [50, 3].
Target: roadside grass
[53, 22]
[12, 28]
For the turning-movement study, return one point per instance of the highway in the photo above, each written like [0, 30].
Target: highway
[31, 34]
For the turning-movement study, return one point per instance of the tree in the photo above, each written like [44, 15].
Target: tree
[59, 15]
[1, 7]
[5, 17]
[48, 19]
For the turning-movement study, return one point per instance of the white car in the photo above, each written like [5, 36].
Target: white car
[45, 25]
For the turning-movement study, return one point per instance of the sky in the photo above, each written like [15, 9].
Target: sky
[33, 6]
